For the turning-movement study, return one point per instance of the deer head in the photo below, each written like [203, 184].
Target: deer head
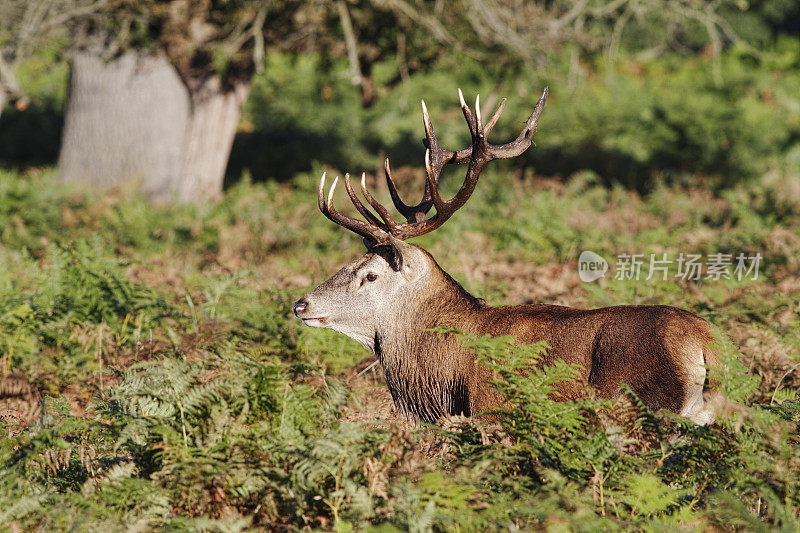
[378, 287]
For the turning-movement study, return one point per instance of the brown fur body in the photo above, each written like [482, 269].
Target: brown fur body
[430, 375]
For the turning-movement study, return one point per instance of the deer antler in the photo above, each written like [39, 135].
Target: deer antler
[478, 154]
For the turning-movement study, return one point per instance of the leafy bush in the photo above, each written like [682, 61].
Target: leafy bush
[634, 123]
[154, 375]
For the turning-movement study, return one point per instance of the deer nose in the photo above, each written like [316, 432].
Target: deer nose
[300, 306]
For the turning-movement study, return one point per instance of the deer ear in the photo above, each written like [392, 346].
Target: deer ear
[391, 252]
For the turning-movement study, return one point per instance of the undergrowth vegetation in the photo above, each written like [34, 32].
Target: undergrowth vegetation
[153, 376]
[630, 121]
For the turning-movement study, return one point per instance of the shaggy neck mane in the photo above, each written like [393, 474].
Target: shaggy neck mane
[424, 378]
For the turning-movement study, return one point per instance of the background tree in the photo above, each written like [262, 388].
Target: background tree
[374, 30]
[28, 24]
[535, 34]
[157, 87]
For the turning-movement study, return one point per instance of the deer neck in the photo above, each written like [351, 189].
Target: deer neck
[440, 303]
[424, 369]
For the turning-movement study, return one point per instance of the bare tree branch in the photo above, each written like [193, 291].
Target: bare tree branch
[29, 23]
[350, 42]
[438, 31]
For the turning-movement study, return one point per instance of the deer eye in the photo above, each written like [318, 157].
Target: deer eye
[372, 276]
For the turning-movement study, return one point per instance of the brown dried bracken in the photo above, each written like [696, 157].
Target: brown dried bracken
[20, 404]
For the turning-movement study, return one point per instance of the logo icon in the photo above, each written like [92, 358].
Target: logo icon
[591, 266]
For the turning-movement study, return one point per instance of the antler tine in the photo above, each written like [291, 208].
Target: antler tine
[364, 229]
[426, 120]
[467, 113]
[525, 138]
[405, 210]
[390, 223]
[321, 196]
[495, 117]
[357, 203]
[432, 143]
[436, 198]
[478, 119]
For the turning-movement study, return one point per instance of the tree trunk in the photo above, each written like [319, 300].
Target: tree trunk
[209, 138]
[3, 99]
[125, 121]
[131, 122]
[8, 80]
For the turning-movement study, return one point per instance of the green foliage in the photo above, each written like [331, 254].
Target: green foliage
[29, 210]
[634, 122]
[171, 387]
[672, 119]
[634, 98]
[620, 460]
[152, 375]
[82, 285]
[73, 300]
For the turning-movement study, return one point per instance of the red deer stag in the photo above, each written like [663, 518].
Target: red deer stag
[391, 298]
